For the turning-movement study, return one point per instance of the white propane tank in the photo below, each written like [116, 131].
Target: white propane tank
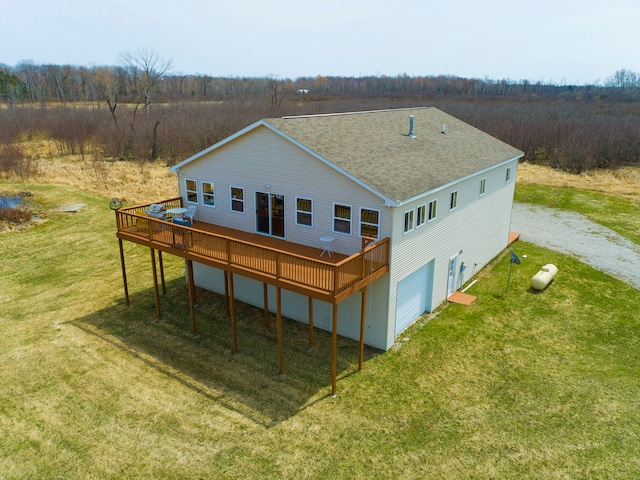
[544, 276]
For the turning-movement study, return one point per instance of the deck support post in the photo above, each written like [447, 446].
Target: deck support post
[156, 293]
[334, 350]
[363, 312]
[164, 287]
[232, 311]
[266, 305]
[192, 295]
[310, 323]
[226, 294]
[124, 273]
[279, 328]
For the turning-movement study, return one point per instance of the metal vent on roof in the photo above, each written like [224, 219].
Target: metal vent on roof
[410, 134]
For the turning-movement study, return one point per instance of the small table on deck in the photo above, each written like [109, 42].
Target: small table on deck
[176, 211]
[327, 240]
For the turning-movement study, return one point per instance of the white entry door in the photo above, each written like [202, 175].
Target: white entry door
[453, 268]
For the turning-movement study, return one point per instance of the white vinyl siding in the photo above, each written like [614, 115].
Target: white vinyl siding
[261, 158]
[479, 226]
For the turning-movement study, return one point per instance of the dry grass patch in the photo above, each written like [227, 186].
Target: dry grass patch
[131, 182]
[623, 182]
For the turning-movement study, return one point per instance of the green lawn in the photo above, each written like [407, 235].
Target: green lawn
[518, 385]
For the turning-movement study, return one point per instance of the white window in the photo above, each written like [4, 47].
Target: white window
[369, 223]
[483, 186]
[304, 212]
[237, 199]
[432, 209]
[208, 194]
[421, 215]
[408, 221]
[453, 204]
[508, 175]
[342, 218]
[191, 189]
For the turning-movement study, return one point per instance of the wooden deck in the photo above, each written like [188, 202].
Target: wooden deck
[292, 266]
[273, 261]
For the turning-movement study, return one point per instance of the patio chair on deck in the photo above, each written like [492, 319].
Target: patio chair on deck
[155, 210]
[190, 214]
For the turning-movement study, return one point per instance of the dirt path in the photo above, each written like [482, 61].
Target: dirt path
[573, 233]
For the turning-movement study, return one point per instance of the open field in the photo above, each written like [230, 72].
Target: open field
[518, 385]
[137, 183]
[623, 182]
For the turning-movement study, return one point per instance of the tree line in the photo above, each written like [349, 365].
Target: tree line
[140, 111]
[143, 71]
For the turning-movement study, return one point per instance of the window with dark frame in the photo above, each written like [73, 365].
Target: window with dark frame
[304, 212]
[191, 190]
[432, 209]
[208, 194]
[237, 199]
[369, 223]
[421, 215]
[342, 218]
[454, 200]
[408, 221]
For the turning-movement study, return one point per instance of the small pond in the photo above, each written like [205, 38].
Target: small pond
[11, 201]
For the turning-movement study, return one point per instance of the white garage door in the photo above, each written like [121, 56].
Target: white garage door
[413, 296]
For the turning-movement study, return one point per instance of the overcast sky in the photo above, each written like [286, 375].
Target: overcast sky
[554, 41]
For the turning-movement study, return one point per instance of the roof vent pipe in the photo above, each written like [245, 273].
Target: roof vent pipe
[411, 135]
[444, 128]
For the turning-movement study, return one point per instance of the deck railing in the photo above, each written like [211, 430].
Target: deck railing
[288, 267]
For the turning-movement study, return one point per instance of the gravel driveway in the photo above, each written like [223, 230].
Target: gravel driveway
[573, 233]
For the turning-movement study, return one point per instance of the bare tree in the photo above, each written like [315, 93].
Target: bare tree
[145, 68]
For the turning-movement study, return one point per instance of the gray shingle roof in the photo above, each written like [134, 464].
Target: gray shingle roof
[374, 147]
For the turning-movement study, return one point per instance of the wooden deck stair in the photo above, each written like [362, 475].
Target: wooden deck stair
[461, 298]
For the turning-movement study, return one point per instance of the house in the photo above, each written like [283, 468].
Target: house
[440, 189]
[430, 192]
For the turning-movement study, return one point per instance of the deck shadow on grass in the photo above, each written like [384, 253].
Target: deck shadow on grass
[247, 382]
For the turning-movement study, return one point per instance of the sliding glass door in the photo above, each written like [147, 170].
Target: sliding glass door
[270, 214]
